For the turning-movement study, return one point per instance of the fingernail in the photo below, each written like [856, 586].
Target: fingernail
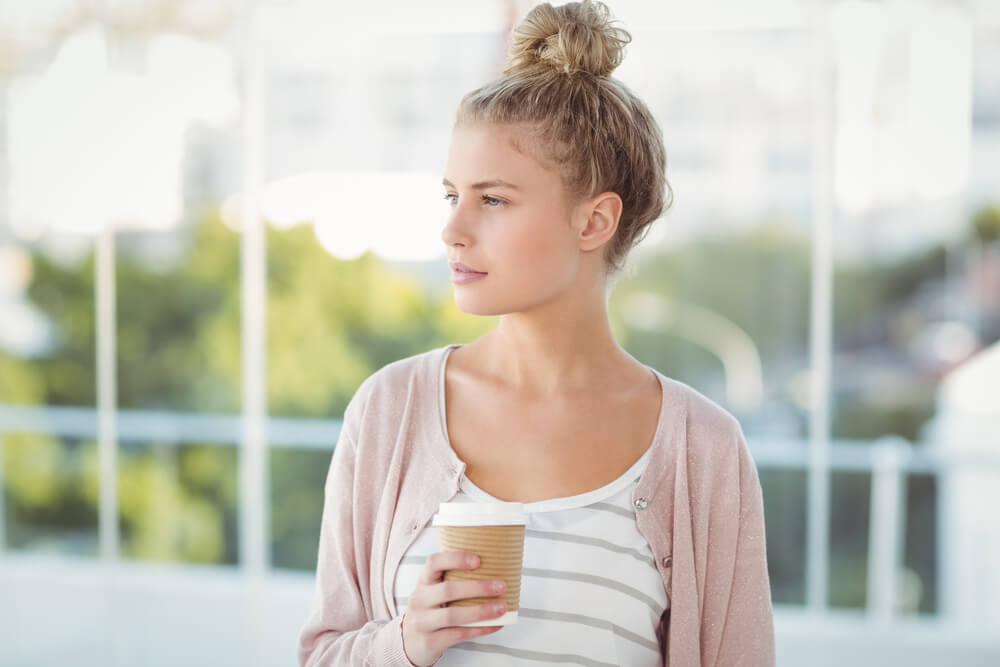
[500, 608]
[498, 586]
[473, 561]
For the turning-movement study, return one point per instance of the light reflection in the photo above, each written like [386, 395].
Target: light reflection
[397, 215]
[113, 143]
[888, 153]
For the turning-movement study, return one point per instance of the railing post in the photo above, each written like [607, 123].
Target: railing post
[821, 316]
[886, 527]
[107, 513]
[253, 297]
[253, 455]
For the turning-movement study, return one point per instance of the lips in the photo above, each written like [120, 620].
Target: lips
[462, 268]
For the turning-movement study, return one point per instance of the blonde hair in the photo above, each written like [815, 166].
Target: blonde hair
[557, 88]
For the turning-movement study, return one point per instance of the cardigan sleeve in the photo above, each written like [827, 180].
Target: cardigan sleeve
[737, 617]
[339, 630]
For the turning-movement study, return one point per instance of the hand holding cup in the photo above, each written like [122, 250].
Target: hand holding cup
[456, 596]
[429, 624]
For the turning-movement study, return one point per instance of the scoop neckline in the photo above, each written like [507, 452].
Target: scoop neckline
[567, 502]
[561, 502]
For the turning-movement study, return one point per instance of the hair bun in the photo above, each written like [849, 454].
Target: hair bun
[577, 36]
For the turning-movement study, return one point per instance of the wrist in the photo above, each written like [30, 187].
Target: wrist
[402, 639]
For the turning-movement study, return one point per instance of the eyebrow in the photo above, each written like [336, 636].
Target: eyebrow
[483, 185]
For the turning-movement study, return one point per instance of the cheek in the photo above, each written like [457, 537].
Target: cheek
[537, 246]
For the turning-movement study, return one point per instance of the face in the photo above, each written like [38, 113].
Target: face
[510, 220]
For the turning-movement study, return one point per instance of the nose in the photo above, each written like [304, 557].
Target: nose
[456, 231]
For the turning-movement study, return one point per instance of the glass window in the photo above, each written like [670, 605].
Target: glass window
[47, 345]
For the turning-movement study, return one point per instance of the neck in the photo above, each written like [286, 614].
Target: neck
[556, 348]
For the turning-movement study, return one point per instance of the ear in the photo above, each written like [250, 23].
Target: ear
[599, 218]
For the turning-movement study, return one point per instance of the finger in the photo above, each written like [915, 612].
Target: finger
[450, 636]
[449, 591]
[441, 561]
[433, 620]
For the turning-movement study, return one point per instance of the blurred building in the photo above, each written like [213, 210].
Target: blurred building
[967, 430]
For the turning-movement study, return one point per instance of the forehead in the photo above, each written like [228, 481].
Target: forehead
[487, 152]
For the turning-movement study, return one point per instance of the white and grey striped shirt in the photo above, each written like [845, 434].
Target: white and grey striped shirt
[590, 591]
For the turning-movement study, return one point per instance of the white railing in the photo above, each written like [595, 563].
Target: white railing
[177, 427]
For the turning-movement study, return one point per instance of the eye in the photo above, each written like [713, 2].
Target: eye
[492, 202]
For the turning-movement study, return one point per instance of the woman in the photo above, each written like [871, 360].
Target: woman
[645, 542]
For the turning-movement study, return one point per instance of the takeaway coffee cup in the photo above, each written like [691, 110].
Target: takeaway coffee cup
[495, 533]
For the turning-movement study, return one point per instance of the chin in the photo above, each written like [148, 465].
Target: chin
[482, 310]
[483, 306]
[478, 304]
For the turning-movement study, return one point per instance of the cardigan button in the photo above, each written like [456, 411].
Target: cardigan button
[667, 560]
[641, 503]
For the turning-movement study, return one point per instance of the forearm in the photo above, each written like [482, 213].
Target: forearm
[374, 644]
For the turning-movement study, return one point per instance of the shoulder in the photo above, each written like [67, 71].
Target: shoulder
[703, 417]
[711, 451]
[403, 373]
[395, 386]
[710, 432]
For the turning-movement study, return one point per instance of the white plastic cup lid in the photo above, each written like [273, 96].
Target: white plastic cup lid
[480, 514]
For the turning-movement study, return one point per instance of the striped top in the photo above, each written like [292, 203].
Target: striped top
[590, 590]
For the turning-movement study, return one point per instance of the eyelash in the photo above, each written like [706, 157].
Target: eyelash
[486, 198]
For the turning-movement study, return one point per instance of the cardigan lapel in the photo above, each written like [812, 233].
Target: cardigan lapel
[432, 477]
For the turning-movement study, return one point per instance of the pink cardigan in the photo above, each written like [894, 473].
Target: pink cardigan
[698, 505]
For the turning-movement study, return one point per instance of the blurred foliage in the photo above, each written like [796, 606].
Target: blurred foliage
[331, 323]
[178, 503]
[875, 304]
[920, 546]
[178, 332]
[66, 375]
[764, 289]
[850, 514]
[785, 503]
[297, 478]
[986, 225]
[770, 259]
[864, 291]
[46, 482]
[859, 419]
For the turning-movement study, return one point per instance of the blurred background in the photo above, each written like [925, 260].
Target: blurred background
[217, 217]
